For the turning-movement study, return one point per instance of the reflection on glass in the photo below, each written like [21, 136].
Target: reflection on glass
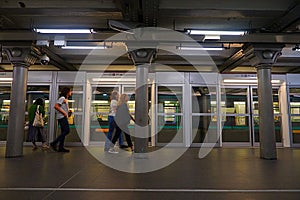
[75, 129]
[233, 132]
[295, 113]
[204, 99]
[75, 103]
[277, 118]
[100, 105]
[236, 101]
[169, 131]
[204, 130]
[33, 93]
[169, 99]
[170, 105]
[5, 92]
[275, 101]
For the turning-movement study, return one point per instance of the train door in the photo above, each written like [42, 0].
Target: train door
[204, 121]
[236, 117]
[169, 113]
[5, 93]
[294, 99]
[76, 102]
[35, 91]
[255, 116]
[100, 105]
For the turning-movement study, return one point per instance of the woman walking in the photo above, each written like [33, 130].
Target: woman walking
[36, 133]
[122, 120]
[62, 113]
[111, 121]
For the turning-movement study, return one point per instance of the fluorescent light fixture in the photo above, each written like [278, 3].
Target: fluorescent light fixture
[202, 48]
[104, 79]
[246, 81]
[212, 37]
[209, 32]
[6, 79]
[40, 30]
[84, 47]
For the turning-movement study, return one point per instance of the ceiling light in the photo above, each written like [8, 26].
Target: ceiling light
[245, 81]
[209, 32]
[212, 37]
[6, 79]
[84, 47]
[64, 30]
[200, 48]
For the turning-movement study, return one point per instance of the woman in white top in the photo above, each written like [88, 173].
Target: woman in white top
[114, 97]
[62, 114]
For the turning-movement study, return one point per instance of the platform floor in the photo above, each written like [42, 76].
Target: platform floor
[225, 173]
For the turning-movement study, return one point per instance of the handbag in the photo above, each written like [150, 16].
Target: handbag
[38, 119]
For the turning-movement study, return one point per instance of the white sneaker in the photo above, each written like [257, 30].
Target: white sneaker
[112, 150]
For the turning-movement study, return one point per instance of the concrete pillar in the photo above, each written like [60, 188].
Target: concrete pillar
[263, 56]
[141, 109]
[21, 58]
[142, 59]
[266, 114]
[15, 132]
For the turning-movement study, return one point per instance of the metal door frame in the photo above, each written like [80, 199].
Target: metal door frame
[183, 114]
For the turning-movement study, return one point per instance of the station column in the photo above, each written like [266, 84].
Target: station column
[263, 56]
[21, 59]
[142, 59]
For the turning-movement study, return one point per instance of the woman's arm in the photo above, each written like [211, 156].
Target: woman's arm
[59, 109]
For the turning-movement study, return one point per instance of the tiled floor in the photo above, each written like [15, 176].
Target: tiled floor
[225, 173]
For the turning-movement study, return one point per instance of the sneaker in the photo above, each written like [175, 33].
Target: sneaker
[53, 146]
[63, 150]
[34, 148]
[112, 150]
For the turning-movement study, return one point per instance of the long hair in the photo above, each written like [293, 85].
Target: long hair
[114, 95]
[64, 91]
[122, 99]
[39, 101]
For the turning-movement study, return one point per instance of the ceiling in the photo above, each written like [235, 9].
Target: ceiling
[266, 22]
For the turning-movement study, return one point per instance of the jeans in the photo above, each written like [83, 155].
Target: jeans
[111, 129]
[65, 130]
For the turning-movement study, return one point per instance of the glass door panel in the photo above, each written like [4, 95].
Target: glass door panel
[204, 129]
[170, 123]
[5, 92]
[34, 92]
[100, 106]
[76, 119]
[295, 113]
[277, 115]
[204, 112]
[236, 116]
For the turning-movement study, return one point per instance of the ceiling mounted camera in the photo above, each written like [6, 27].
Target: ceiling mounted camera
[45, 59]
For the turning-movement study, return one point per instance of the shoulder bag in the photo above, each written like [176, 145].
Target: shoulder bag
[38, 119]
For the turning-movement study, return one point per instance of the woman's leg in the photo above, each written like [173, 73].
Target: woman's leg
[117, 135]
[128, 139]
[65, 130]
[111, 128]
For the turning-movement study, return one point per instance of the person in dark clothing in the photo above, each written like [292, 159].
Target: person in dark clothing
[36, 133]
[122, 120]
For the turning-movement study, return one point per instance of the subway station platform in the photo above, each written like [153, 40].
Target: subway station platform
[225, 173]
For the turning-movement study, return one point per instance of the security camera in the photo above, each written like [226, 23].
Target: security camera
[45, 59]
